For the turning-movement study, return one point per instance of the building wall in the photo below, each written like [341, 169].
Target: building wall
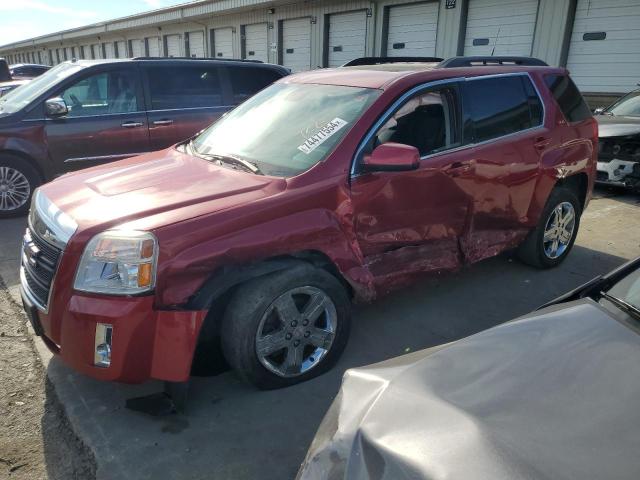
[551, 39]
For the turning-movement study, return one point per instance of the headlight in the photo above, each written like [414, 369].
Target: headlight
[118, 263]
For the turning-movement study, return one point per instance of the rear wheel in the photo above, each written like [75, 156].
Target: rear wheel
[18, 180]
[551, 241]
[286, 327]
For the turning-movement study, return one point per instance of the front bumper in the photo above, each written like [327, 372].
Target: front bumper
[617, 172]
[146, 343]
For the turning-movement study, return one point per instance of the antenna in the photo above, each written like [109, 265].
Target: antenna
[496, 42]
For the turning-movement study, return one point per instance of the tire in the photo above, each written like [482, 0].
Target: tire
[18, 180]
[538, 251]
[261, 314]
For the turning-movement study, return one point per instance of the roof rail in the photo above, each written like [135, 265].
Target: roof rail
[200, 58]
[382, 60]
[487, 60]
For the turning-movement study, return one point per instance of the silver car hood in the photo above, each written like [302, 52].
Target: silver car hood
[553, 395]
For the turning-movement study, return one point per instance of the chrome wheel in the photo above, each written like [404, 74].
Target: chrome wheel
[559, 230]
[14, 189]
[296, 331]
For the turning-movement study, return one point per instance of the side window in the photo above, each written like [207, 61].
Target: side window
[103, 93]
[427, 121]
[184, 87]
[247, 81]
[500, 106]
[568, 97]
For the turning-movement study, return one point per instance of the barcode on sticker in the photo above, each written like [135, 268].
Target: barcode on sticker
[313, 142]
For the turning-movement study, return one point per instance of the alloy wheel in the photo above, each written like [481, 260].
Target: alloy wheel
[296, 331]
[14, 189]
[559, 230]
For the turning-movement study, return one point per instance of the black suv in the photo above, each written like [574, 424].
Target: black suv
[86, 112]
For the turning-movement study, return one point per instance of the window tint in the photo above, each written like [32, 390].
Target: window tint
[247, 81]
[427, 121]
[501, 105]
[184, 87]
[568, 97]
[103, 93]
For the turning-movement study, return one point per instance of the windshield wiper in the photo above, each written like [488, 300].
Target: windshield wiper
[622, 305]
[229, 160]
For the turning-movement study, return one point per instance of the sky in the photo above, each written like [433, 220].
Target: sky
[23, 19]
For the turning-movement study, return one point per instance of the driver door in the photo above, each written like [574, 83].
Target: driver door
[106, 120]
[410, 222]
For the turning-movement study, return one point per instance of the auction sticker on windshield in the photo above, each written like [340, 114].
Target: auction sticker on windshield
[314, 141]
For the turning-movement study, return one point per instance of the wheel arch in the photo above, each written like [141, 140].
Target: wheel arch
[24, 157]
[579, 183]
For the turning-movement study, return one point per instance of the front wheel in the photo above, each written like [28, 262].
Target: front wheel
[286, 327]
[18, 180]
[551, 241]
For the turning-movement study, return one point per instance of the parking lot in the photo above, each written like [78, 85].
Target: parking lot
[231, 430]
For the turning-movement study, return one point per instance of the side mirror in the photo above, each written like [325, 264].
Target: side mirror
[598, 111]
[56, 107]
[392, 157]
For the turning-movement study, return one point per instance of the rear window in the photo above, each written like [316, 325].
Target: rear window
[247, 81]
[500, 106]
[184, 87]
[568, 97]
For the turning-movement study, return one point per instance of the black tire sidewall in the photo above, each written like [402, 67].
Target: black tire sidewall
[31, 175]
[248, 304]
[558, 196]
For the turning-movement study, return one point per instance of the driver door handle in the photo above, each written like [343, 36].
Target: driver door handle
[163, 122]
[132, 124]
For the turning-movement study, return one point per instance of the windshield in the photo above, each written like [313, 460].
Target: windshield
[627, 106]
[628, 289]
[25, 94]
[287, 128]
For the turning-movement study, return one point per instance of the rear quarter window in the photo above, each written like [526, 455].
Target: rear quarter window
[568, 97]
[499, 106]
[247, 81]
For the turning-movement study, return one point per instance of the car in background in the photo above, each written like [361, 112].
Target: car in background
[550, 395]
[27, 70]
[326, 188]
[619, 142]
[88, 112]
[6, 87]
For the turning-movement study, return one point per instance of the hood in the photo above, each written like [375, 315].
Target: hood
[613, 126]
[153, 184]
[533, 398]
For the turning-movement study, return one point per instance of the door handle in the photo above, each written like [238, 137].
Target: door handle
[163, 122]
[460, 168]
[541, 143]
[132, 124]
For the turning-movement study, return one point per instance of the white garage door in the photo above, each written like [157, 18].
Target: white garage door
[347, 37]
[223, 42]
[196, 44]
[68, 54]
[122, 49]
[173, 45]
[412, 30]
[154, 46]
[137, 48]
[109, 50]
[504, 25]
[604, 53]
[296, 44]
[256, 43]
[97, 50]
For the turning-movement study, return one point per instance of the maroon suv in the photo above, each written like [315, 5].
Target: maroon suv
[327, 187]
[84, 113]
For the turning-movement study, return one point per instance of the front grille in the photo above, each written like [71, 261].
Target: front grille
[621, 148]
[39, 263]
[602, 176]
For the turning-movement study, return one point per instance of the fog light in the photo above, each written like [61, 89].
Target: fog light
[102, 352]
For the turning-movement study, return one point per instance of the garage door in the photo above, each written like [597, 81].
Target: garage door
[196, 44]
[605, 44]
[256, 43]
[154, 46]
[347, 37]
[412, 30]
[173, 46]
[109, 50]
[296, 44]
[137, 48]
[223, 43]
[506, 25]
[96, 50]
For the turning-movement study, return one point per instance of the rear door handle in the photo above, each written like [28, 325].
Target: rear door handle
[541, 143]
[163, 122]
[132, 124]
